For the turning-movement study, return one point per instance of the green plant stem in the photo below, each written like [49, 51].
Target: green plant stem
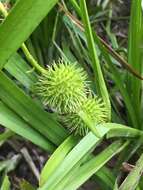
[100, 83]
[28, 55]
[31, 59]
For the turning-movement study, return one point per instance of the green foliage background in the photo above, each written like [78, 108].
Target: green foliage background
[32, 35]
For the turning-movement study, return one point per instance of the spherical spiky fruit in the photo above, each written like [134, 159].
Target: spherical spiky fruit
[63, 87]
[95, 110]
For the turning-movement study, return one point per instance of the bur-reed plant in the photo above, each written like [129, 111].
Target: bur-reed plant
[64, 88]
[90, 110]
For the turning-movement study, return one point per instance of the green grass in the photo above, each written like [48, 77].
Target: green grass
[35, 33]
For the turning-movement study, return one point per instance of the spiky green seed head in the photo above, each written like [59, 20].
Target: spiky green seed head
[94, 108]
[63, 87]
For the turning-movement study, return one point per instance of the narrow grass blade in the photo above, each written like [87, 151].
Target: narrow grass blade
[100, 83]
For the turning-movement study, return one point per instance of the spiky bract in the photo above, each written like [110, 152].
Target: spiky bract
[94, 108]
[63, 87]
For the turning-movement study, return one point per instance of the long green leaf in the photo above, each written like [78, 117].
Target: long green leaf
[135, 54]
[92, 166]
[69, 164]
[13, 122]
[20, 23]
[81, 150]
[56, 158]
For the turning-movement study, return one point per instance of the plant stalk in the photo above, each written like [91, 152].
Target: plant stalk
[99, 79]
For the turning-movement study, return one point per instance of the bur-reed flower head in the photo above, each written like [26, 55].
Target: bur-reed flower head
[95, 110]
[63, 86]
